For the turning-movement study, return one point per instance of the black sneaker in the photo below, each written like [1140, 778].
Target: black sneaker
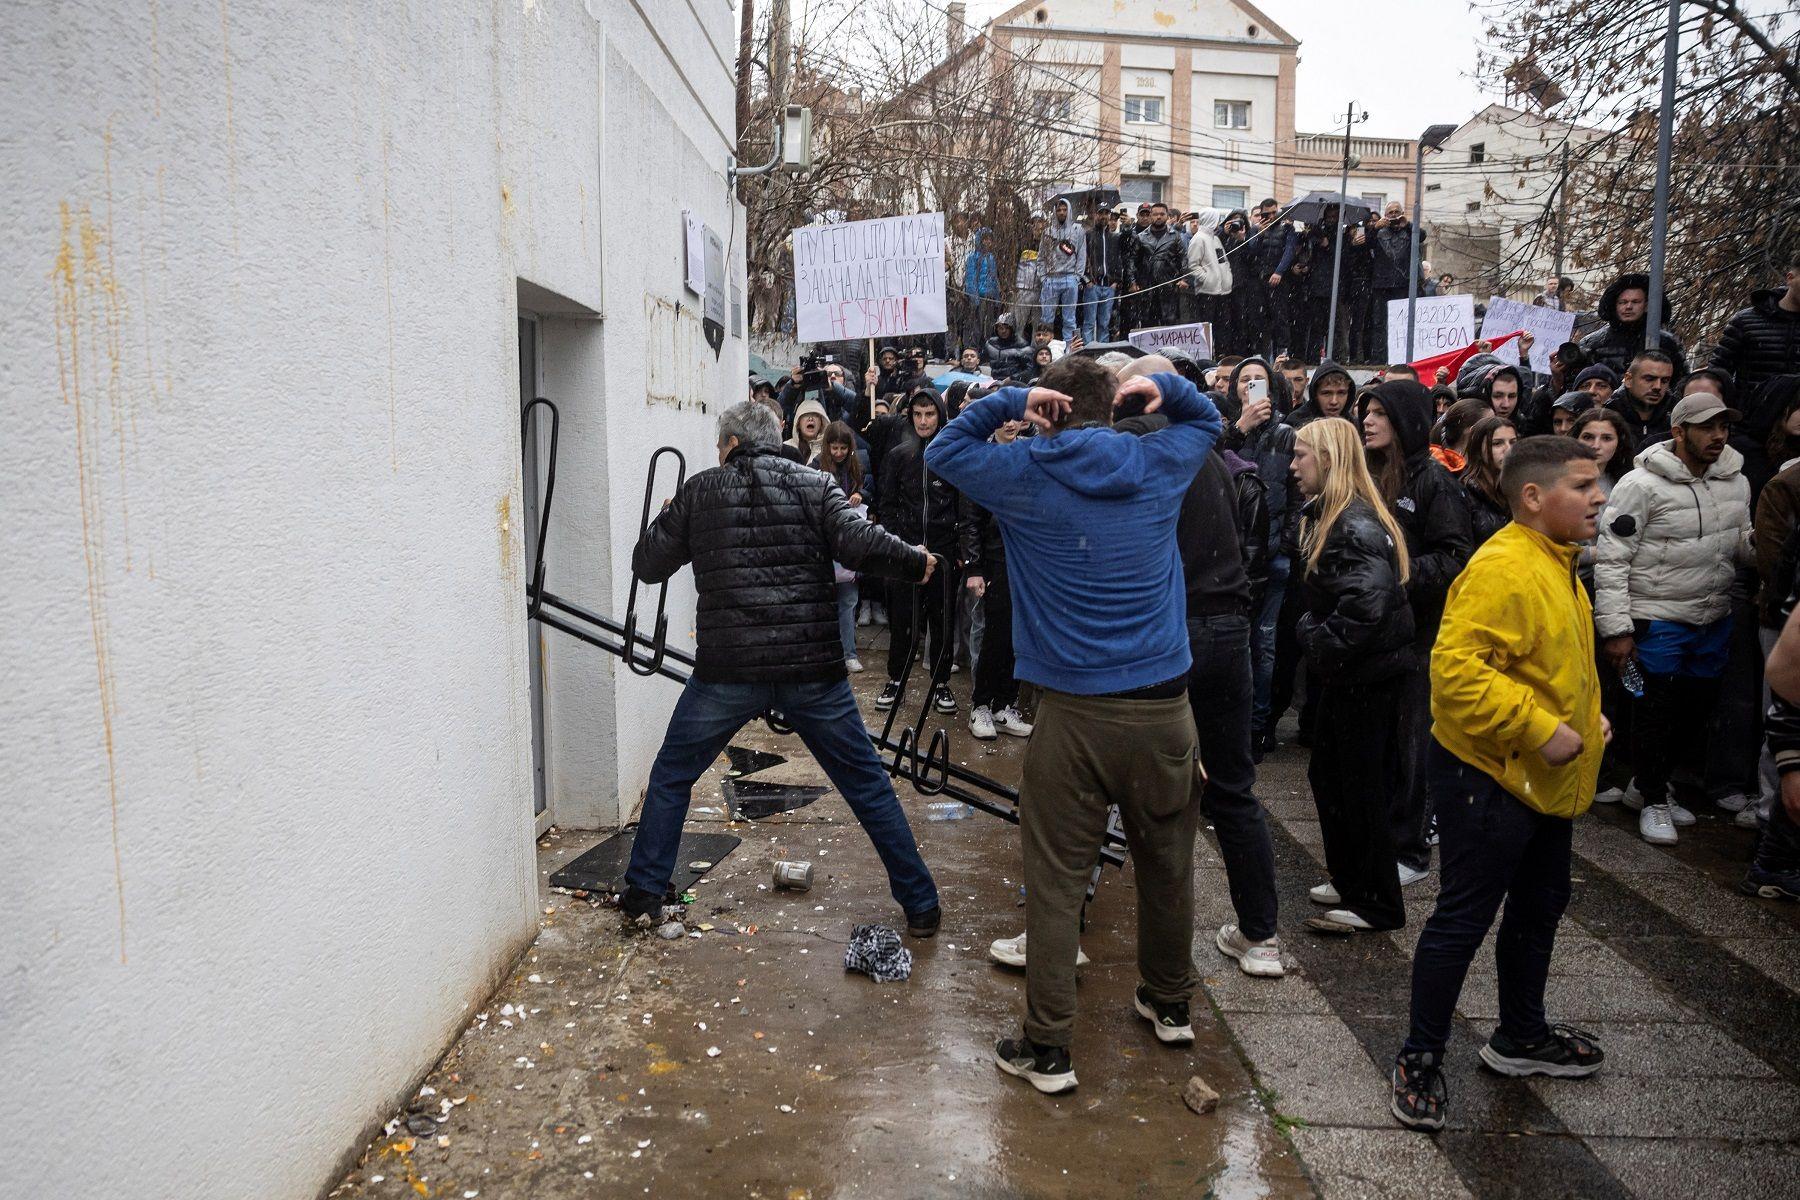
[925, 924]
[1169, 1020]
[1566, 1053]
[890, 692]
[1770, 885]
[1046, 1068]
[1420, 1096]
[943, 700]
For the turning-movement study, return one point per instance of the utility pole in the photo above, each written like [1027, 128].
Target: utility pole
[1659, 221]
[1562, 208]
[1337, 256]
[781, 54]
[745, 57]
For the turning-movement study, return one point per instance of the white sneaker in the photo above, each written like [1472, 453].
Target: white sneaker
[864, 616]
[1324, 894]
[853, 664]
[1253, 958]
[981, 723]
[1008, 720]
[1634, 800]
[1010, 952]
[1609, 796]
[1749, 817]
[1656, 825]
[1736, 802]
[1408, 876]
[1344, 916]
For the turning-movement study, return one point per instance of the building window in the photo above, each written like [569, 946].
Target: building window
[1231, 114]
[1143, 110]
[1054, 106]
[1375, 200]
[1228, 197]
[1478, 152]
[1472, 206]
[1140, 189]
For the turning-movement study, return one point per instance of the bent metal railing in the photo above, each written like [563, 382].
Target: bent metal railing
[920, 760]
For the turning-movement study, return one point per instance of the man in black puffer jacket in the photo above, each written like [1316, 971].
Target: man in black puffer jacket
[762, 533]
[1624, 306]
[1763, 341]
[1427, 503]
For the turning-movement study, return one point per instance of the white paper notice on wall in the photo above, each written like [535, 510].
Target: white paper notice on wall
[870, 279]
[693, 241]
[1548, 326]
[1440, 323]
[1194, 340]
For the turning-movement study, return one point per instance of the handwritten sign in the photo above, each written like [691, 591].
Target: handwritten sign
[1548, 326]
[870, 279]
[1193, 340]
[1440, 323]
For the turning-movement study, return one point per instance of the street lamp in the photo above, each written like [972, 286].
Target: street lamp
[1432, 139]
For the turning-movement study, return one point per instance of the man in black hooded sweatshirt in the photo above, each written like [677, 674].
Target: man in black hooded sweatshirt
[925, 506]
[1624, 306]
[1428, 504]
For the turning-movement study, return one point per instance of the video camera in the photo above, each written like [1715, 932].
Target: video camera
[812, 372]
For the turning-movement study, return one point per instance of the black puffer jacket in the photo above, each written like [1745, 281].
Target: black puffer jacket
[1004, 356]
[1485, 517]
[1760, 342]
[1616, 342]
[762, 533]
[1431, 511]
[915, 504]
[1357, 627]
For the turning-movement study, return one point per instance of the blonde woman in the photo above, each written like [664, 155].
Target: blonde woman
[1357, 633]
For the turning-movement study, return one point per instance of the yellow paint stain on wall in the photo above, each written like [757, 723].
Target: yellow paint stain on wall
[1162, 18]
[503, 513]
[79, 279]
[506, 201]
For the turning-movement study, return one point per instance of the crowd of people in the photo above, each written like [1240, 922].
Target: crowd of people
[1494, 598]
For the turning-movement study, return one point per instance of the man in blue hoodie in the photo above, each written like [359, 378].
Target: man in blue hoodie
[1088, 517]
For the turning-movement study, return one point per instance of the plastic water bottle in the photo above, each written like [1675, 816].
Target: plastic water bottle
[1632, 676]
[946, 810]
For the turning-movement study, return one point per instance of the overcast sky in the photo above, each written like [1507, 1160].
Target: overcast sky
[1351, 51]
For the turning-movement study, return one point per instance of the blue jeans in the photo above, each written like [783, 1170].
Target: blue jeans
[1060, 292]
[1262, 643]
[847, 597]
[1096, 311]
[825, 715]
[1492, 848]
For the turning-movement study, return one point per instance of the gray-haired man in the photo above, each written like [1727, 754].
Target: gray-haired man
[762, 533]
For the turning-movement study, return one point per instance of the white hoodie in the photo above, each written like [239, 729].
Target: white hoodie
[1206, 257]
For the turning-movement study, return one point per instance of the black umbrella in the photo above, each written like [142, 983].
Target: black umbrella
[1310, 208]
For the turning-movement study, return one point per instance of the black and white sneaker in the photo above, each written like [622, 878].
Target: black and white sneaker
[942, 700]
[1170, 1021]
[1420, 1096]
[1567, 1053]
[890, 692]
[1046, 1068]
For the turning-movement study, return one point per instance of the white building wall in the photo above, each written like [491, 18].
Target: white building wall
[261, 606]
[1234, 157]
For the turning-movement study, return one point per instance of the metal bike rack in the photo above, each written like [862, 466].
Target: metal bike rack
[929, 770]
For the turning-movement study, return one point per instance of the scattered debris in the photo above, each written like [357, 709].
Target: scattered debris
[1199, 1096]
[671, 931]
[875, 950]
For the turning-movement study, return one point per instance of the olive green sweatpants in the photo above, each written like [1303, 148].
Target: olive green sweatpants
[1088, 752]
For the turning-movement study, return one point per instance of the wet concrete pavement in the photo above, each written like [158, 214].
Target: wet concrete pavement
[593, 1071]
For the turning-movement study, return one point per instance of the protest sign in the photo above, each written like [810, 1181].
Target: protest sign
[1548, 326]
[870, 279]
[1440, 323]
[1193, 340]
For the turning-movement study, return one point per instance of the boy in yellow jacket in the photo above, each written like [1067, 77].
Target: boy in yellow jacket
[1515, 708]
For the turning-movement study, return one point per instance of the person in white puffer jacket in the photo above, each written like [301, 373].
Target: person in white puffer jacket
[1676, 528]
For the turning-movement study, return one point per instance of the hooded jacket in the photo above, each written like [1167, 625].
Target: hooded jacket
[1616, 342]
[1088, 517]
[1056, 260]
[1206, 260]
[1308, 412]
[1670, 544]
[1430, 509]
[981, 275]
[816, 446]
[762, 533]
[1760, 342]
[1270, 446]
[1357, 627]
[1513, 660]
[916, 503]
